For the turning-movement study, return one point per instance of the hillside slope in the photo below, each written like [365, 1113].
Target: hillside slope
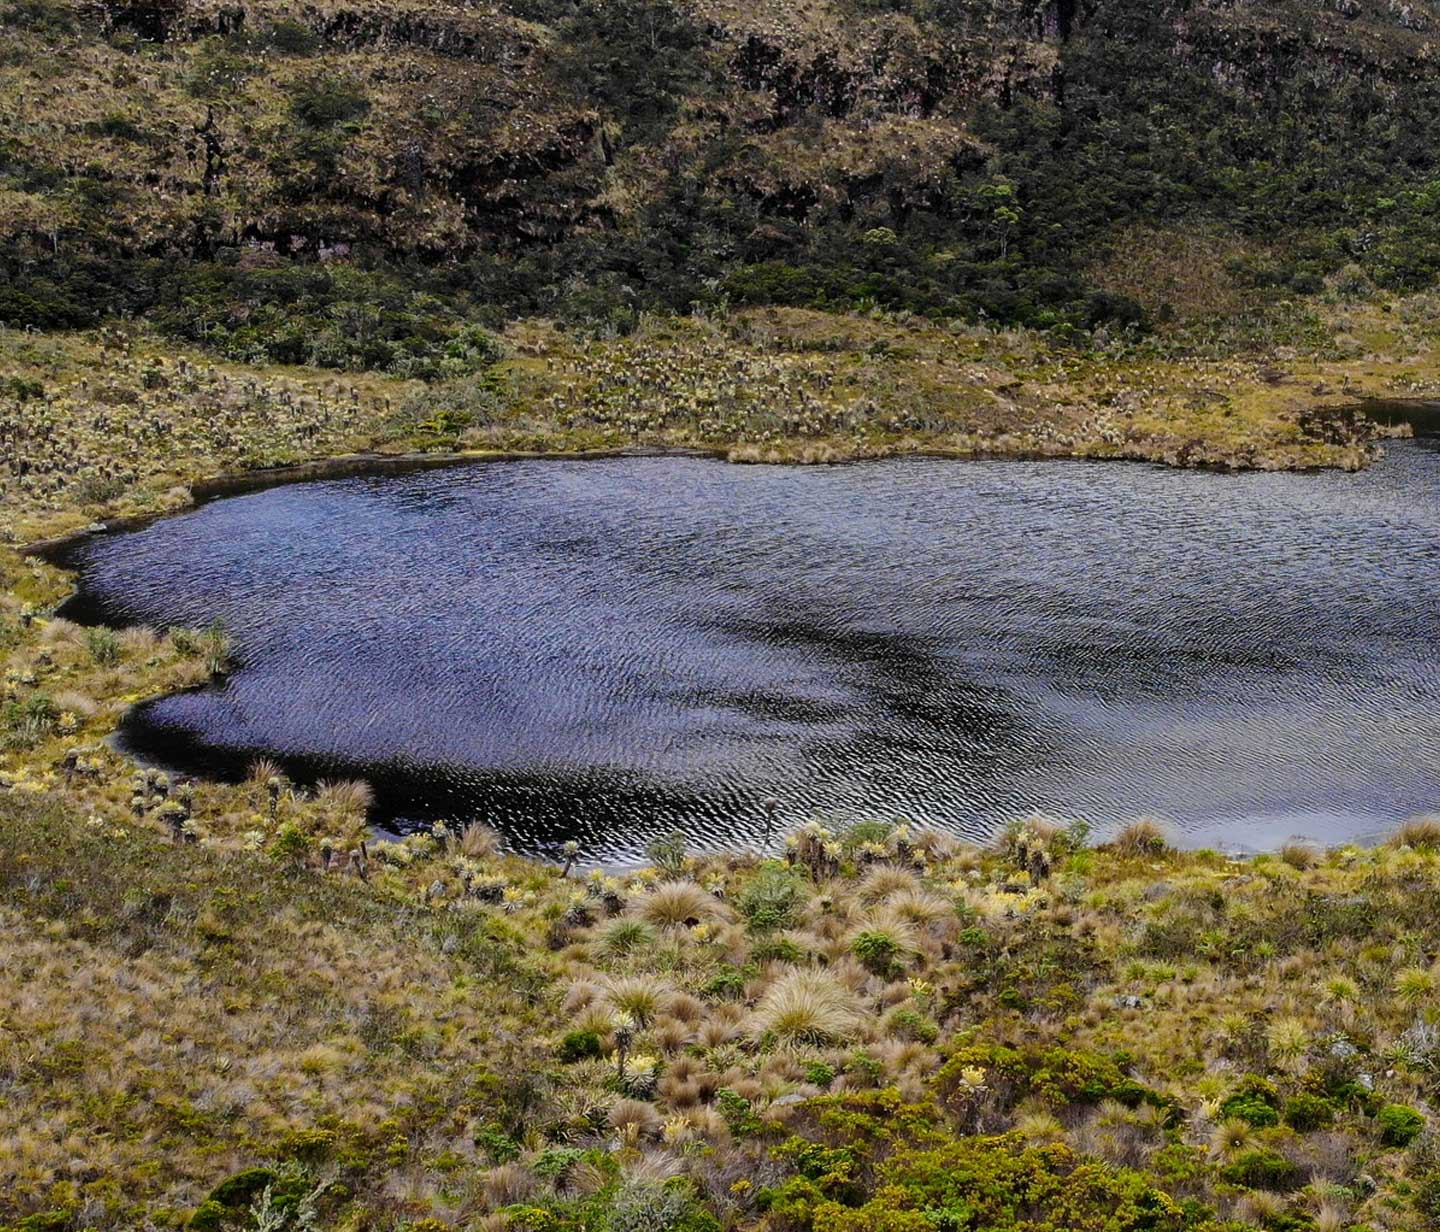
[200, 160]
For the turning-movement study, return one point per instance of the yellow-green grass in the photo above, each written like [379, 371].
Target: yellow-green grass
[196, 994]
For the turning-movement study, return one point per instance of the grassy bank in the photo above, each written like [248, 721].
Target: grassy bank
[223, 1009]
[883, 1030]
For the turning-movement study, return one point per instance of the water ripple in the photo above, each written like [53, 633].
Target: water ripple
[603, 650]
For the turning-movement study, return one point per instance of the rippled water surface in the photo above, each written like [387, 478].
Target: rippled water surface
[602, 650]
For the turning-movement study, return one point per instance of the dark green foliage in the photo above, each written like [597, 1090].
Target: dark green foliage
[293, 38]
[1264, 1169]
[242, 1188]
[580, 1046]
[728, 984]
[497, 1144]
[557, 1161]
[327, 316]
[878, 951]
[772, 899]
[1399, 1124]
[44, 16]
[817, 1073]
[736, 1110]
[291, 845]
[1255, 1101]
[1312, 145]
[1306, 1112]
[44, 1221]
[1059, 1076]
[912, 1025]
[1000, 1184]
[208, 1217]
[772, 949]
[24, 723]
[22, 390]
[667, 852]
[327, 102]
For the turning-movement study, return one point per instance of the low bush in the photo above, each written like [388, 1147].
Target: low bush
[1264, 1169]
[1306, 1112]
[1399, 1124]
[772, 898]
[999, 1184]
[1255, 1101]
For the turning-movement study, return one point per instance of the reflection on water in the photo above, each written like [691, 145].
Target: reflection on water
[606, 649]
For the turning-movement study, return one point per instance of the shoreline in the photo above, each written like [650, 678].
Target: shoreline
[54, 551]
[343, 466]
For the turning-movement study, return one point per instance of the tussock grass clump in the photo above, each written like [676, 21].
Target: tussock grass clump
[1418, 833]
[344, 797]
[263, 769]
[1143, 837]
[635, 1119]
[640, 997]
[627, 936]
[479, 841]
[884, 881]
[1300, 856]
[807, 1007]
[508, 1184]
[680, 904]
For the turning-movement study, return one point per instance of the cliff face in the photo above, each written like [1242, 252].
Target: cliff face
[679, 144]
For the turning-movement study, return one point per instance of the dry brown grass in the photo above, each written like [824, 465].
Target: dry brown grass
[1143, 837]
[1419, 833]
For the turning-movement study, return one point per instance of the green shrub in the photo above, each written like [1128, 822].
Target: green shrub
[208, 1217]
[818, 1074]
[23, 389]
[556, 1161]
[293, 38]
[497, 1144]
[860, 833]
[580, 1046]
[291, 845]
[1399, 1124]
[45, 1221]
[772, 898]
[328, 101]
[642, 1206]
[737, 1111]
[240, 1189]
[728, 984]
[103, 645]
[1306, 1112]
[776, 949]
[907, 1023]
[1264, 1169]
[1255, 1101]
[1059, 1076]
[877, 950]
[23, 724]
[1001, 1185]
[667, 852]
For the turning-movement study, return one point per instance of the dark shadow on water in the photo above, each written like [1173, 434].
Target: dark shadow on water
[537, 812]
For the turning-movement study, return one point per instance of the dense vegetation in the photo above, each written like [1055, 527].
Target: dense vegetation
[224, 1009]
[1190, 231]
[368, 184]
[885, 1029]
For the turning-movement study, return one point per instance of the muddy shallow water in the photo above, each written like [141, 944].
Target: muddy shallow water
[607, 649]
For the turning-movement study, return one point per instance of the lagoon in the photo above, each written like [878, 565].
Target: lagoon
[605, 650]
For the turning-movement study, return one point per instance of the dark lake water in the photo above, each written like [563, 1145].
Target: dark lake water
[605, 650]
